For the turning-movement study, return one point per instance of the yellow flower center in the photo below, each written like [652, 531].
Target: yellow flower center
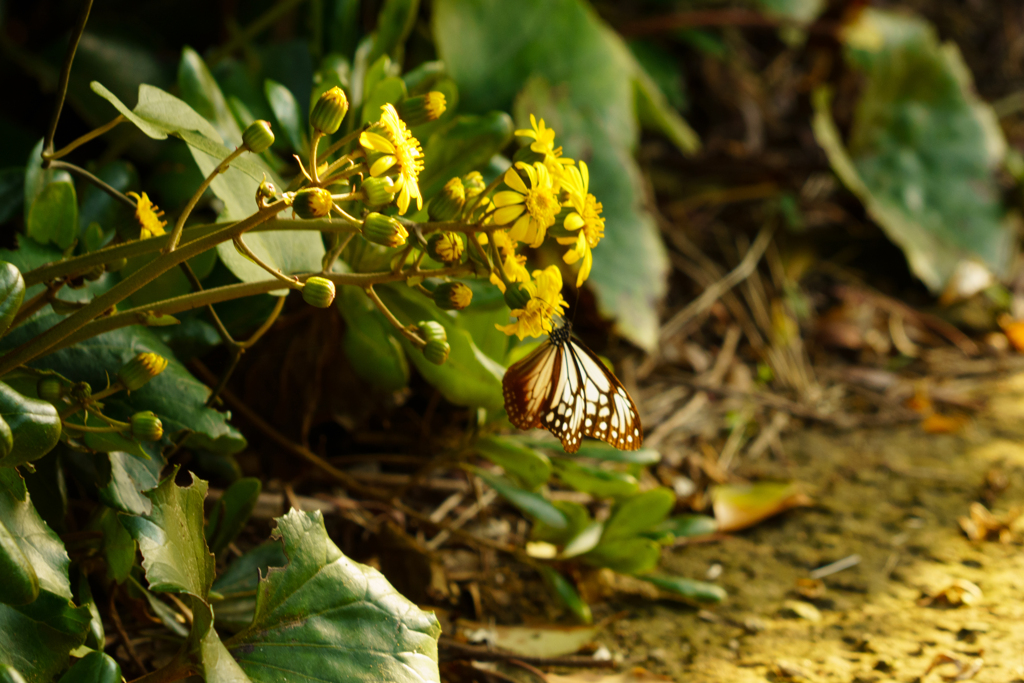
[542, 205]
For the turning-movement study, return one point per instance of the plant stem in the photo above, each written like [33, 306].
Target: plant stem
[44, 342]
[312, 156]
[82, 173]
[81, 264]
[341, 143]
[172, 244]
[35, 303]
[265, 21]
[65, 76]
[407, 333]
[332, 256]
[91, 135]
[251, 255]
[93, 430]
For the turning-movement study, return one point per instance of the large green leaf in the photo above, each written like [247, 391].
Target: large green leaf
[324, 617]
[923, 151]
[53, 216]
[288, 114]
[580, 77]
[174, 552]
[178, 398]
[237, 585]
[12, 293]
[34, 424]
[95, 667]
[199, 90]
[468, 377]
[36, 638]
[129, 478]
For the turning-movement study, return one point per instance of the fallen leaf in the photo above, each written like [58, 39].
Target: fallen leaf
[965, 670]
[738, 506]
[959, 592]
[982, 525]
[530, 641]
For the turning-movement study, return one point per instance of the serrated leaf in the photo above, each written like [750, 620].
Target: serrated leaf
[237, 585]
[324, 617]
[95, 667]
[595, 481]
[174, 553]
[53, 216]
[639, 513]
[35, 425]
[530, 467]
[12, 293]
[231, 512]
[129, 478]
[533, 504]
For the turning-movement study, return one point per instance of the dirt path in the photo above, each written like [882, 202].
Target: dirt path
[893, 497]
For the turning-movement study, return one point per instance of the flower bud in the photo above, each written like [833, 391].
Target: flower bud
[146, 426]
[474, 183]
[436, 351]
[94, 273]
[516, 297]
[319, 292]
[453, 296]
[258, 137]
[527, 156]
[384, 230]
[80, 392]
[431, 330]
[379, 191]
[329, 111]
[422, 108]
[448, 205]
[446, 247]
[50, 389]
[312, 202]
[265, 193]
[137, 372]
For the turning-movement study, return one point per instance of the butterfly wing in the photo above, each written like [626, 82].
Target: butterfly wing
[607, 410]
[527, 385]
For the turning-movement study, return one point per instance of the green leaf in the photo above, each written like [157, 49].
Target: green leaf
[174, 553]
[583, 542]
[8, 674]
[577, 516]
[231, 512]
[394, 23]
[531, 468]
[480, 321]
[464, 145]
[321, 599]
[639, 513]
[118, 545]
[289, 116]
[596, 482]
[626, 556]
[53, 217]
[200, 90]
[129, 478]
[37, 637]
[533, 504]
[688, 588]
[95, 667]
[654, 112]
[12, 292]
[21, 584]
[34, 423]
[803, 11]
[923, 152]
[375, 356]
[107, 442]
[96, 638]
[681, 526]
[599, 450]
[468, 377]
[238, 584]
[579, 76]
[566, 592]
[175, 395]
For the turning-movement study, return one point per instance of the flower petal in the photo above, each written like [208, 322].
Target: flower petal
[508, 214]
[382, 165]
[506, 197]
[376, 142]
[513, 180]
[517, 233]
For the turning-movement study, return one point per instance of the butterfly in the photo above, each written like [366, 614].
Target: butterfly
[565, 388]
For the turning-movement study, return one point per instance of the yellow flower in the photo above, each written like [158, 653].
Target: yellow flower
[533, 208]
[397, 148]
[148, 215]
[513, 264]
[545, 302]
[586, 218]
[544, 143]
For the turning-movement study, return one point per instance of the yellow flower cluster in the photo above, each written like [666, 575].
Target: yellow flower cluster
[538, 195]
[545, 302]
[395, 150]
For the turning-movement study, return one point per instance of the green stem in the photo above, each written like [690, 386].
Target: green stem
[172, 244]
[82, 173]
[251, 255]
[44, 342]
[335, 252]
[81, 264]
[265, 21]
[312, 156]
[65, 77]
[93, 430]
[91, 135]
[407, 333]
[341, 143]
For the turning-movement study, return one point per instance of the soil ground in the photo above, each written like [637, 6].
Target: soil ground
[892, 496]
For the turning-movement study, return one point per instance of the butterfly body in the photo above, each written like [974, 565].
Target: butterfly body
[564, 387]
